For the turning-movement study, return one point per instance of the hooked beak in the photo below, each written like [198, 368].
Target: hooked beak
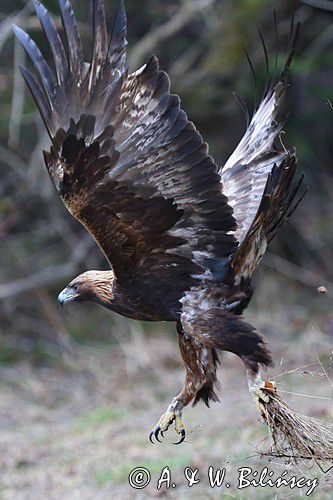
[67, 295]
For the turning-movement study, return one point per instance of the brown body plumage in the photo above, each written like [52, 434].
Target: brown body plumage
[182, 236]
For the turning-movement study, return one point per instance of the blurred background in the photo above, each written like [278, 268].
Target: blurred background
[80, 386]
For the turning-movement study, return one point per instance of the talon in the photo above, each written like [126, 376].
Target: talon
[156, 433]
[183, 436]
[172, 415]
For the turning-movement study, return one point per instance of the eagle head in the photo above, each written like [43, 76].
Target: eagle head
[96, 286]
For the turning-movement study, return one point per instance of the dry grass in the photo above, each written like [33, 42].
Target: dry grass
[72, 433]
[295, 436]
[76, 430]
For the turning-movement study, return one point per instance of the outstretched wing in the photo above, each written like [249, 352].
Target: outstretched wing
[258, 179]
[280, 199]
[245, 173]
[125, 159]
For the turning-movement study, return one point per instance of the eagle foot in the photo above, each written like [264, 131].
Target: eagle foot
[172, 415]
[260, 392]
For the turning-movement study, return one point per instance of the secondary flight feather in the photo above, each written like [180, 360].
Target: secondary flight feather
[182, 236]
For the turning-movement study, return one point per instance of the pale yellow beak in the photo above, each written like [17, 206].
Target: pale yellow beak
[67, 295]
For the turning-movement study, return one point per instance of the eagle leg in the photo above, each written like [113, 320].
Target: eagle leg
[173, 414]
[200, 363]
[259, 389]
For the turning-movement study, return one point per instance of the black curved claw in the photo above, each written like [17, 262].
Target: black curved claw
[151, 437]
[155, 432]
[183, 436]
[158, 430]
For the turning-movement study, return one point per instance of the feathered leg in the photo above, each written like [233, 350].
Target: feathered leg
[200, 363]
[220, 329]
[259, 388]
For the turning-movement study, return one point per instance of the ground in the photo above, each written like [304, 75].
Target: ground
[77, 428]
[69, 434]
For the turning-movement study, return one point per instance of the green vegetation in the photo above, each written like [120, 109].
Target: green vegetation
[120, 474]
[100, 416]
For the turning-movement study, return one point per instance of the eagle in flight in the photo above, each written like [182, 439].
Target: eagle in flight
[182, 235]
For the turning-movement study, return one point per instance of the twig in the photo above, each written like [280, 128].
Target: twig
[13, 161]
[295, 435]
[317, 47]
[304, 276]
[47, 276]
[325, 372]
[183, 16]
[31, 23]
[184, 62]
[305, 395]
[6, 26]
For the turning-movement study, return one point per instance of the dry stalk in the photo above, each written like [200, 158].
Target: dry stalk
[295, 436]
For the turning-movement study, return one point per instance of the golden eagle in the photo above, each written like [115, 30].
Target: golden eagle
[182, 235]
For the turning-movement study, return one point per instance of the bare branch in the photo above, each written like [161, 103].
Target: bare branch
[319, 44]
[6, 26]
[304, 276]
[13, 161]
[183, 16]
[49, 275]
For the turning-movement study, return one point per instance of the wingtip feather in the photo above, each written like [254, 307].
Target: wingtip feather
[118, 41]
[41, 66]
[73, 37]
[38, 97]
[55, 42]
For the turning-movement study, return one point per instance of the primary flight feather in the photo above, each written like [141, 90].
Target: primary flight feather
[181, 235]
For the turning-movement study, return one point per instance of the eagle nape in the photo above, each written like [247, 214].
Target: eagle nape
[182, 236]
